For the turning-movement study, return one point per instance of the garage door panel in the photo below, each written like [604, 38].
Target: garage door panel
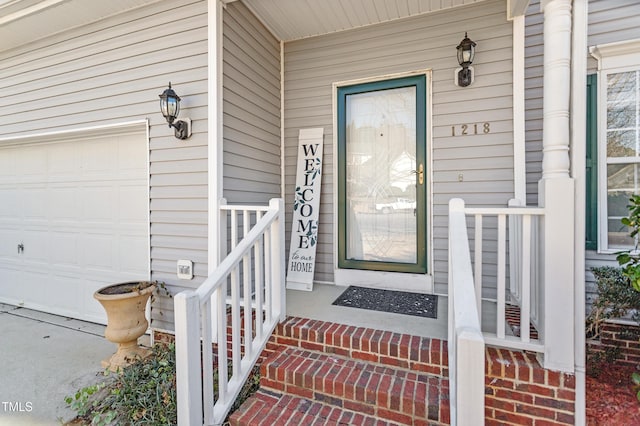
[31, 203]
[99, 160]
[35, 244]
[8, 207]
[131, 201]
[63, 204]
[81, 208]
[62, 164]
[9, 240]
[128, 153]
[98, 203]
[63, 247]
[61, 292]
[8, 171]
[97, 251]
[31, 164]
[10, 277]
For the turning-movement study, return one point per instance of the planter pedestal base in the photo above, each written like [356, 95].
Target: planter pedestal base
[127, 353]
[125, 305]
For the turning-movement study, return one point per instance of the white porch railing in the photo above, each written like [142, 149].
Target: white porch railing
[466, 340]
[521, 262]
[253, 275]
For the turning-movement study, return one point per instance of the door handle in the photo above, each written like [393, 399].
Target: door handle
[420, 173]
[20, 248]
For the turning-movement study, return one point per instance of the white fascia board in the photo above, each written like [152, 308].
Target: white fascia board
[516, 8]
[616, 55]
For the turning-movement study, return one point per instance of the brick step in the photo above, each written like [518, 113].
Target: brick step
[384, 392]
[416, 353]
[270, 408]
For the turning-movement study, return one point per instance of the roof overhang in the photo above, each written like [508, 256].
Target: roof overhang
[25, 21]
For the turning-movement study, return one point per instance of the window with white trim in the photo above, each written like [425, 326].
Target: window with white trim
[618, 139]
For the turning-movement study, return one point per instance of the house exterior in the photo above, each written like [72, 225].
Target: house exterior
[94, 188]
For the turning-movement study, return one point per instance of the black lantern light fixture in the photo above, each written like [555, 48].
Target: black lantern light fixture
[170, 108]
[466, 52]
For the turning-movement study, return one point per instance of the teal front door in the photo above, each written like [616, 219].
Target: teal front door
[382, 176]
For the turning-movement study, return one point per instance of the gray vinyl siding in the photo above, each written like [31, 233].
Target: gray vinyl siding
[112, 71]
[426, 42]
[252, 172]
[534, 50]
[611, 21]
[608, 21]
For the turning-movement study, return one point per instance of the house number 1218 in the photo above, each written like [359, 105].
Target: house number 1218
[470, 129]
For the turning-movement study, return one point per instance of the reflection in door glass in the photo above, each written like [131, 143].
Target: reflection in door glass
[381, 178]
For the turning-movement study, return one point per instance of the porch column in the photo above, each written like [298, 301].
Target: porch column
[556, 190]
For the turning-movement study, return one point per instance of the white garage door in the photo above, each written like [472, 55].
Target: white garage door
[74, 216]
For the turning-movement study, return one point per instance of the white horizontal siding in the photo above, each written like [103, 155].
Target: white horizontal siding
[251, 108]
[112, 71]
[418, 43]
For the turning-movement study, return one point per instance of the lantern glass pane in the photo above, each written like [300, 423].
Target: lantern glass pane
[163, 106]
[466, 55]
[173, 107]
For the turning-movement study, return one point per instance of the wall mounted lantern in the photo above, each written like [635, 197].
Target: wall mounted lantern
[466, 52]
[170, 108]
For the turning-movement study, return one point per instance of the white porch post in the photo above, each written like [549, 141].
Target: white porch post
[556, 190]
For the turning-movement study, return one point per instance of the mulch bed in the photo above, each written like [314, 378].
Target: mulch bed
[611, 397]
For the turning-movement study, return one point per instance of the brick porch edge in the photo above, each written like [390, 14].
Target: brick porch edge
[518, 391]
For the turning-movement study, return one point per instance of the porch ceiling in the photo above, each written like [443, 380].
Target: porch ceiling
[296, 19]
[24, 21]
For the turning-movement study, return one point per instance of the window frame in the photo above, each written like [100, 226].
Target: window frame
[612, 58]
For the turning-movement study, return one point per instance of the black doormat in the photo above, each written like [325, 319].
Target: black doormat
[397, 302]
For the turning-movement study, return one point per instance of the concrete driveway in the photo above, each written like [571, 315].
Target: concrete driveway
[44, 358]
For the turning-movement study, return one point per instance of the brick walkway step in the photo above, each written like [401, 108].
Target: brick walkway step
[389, 393]
[268, 408]
[384, 347]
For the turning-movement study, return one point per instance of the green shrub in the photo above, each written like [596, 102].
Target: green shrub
[616, 298]
[143, 393]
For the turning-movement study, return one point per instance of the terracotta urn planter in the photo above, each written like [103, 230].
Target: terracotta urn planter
[125, 304]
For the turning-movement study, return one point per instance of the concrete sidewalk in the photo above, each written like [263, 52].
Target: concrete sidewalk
[44, 358]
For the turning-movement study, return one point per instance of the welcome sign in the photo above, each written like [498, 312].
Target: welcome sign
[306, 210]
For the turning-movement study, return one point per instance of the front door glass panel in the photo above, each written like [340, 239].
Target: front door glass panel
[382, 175]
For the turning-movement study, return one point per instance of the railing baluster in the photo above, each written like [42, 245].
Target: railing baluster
[234, 228]
[515, 252]
[502, 238]
[235, 320]
[525, 294]
[247, 296]
[268, 297]
[223, 380]
[257, 253]
[259, 283]
[208, 397]
[478, 264]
